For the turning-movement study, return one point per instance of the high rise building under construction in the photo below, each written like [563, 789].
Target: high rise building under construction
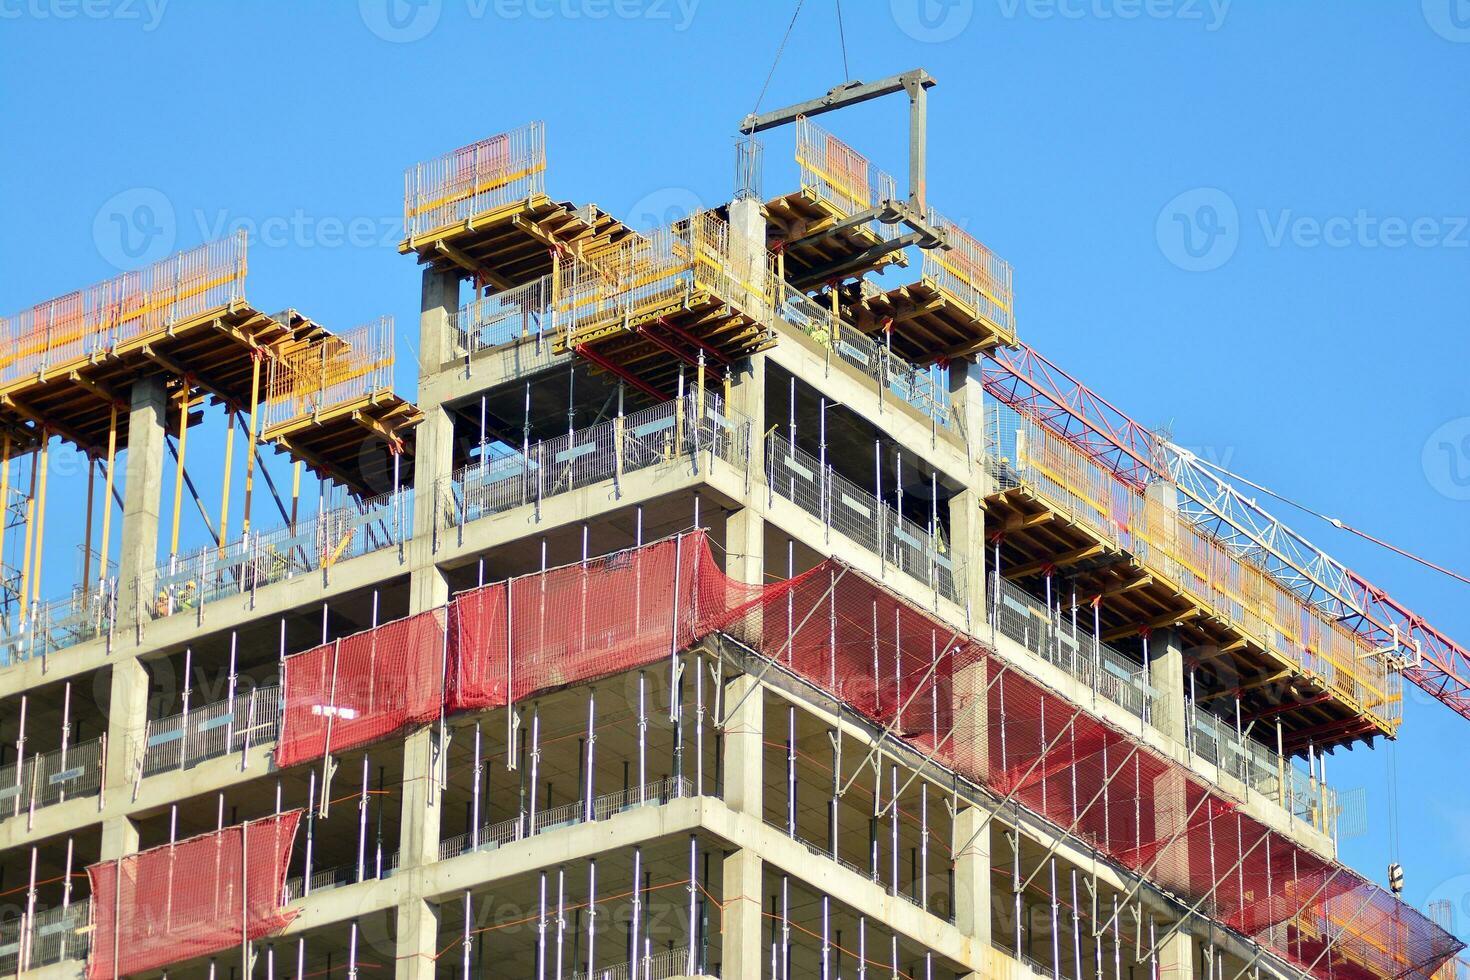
[738, 598]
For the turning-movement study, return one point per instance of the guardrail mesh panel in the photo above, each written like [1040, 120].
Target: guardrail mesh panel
[192, 898]
[363, 687]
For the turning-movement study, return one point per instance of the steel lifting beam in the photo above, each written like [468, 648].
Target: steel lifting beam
[915, 83]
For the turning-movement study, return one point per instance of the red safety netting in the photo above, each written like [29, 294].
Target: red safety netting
[363, 687]
[945, 692]
[1002, 728]
[581, 622]
[193, 898]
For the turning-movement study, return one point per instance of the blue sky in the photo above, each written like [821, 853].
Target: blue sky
[1245, 221]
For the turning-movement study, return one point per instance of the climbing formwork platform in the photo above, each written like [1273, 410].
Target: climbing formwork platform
[483, 208]
[961, 305]
[820, 231]
[69, 363]
[331, 404]
[680, 297]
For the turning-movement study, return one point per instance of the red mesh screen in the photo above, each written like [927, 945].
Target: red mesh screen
[193, 898]
[903, 669]
[581, 622]
[363, 687]
[1004, 729]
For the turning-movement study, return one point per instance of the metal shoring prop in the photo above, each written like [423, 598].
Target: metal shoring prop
[1095, 797]
[784, 646]
[1022, 781]
[898, 715]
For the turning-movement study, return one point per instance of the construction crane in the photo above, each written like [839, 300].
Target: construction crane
[1025, 379]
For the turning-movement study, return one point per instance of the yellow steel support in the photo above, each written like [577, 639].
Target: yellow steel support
[87, 534]
[836, 314]
[107, 496]
[250, 440]
[699, 390]
[41, 512]
[173, 541]
[295, 490]
[25, 562]
[224, 502]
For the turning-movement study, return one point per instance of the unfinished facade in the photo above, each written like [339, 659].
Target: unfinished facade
[739, 598]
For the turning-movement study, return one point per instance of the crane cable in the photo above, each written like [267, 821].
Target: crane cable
[842, 40]
[779, 51]
[1340, 525]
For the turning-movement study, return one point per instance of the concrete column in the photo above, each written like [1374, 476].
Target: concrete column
[142, 495]
[748, 241]
[127, 716]
[417, 919]
[745, 528]
[1176, 958]
[966, 399]
[972, 880]
[438, 300]
[967, 553]
[744, 745]
[1166, 677]
[741, 951]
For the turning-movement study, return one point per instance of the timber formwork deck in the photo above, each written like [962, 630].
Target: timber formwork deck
[212, 351]
[818, 244]
[353, 442]
[648, 350]
[927, 322]
[1034, 540]
[514, 243]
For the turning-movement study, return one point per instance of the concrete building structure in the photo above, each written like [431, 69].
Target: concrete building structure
[800, 388]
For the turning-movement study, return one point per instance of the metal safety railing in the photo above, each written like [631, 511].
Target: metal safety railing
[665, 270]
[1122, 680]
[510, 317]
[95, 321]
[187, 583]
[861, 516]
[1069, 647]
[489, 836]
[51, 626]
[835, 173]
[1264, 770]
[972, 274]
[331, 370]
[472, 180]
[926, 389]
[234, 724]
[47, 778]
[45, 937]
[1021, 451]
[696, 428]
